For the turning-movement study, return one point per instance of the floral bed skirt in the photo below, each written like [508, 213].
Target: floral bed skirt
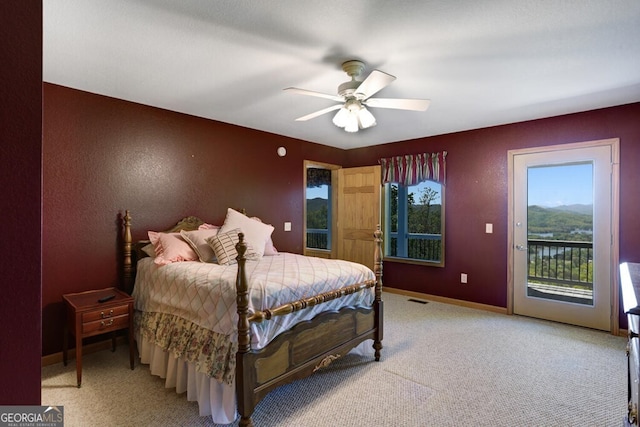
[211, 353]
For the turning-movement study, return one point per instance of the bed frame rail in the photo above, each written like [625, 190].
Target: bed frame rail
[294, 306]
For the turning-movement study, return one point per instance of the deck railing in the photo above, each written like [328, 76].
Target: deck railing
[420, 246]
[552, 262]
[561, 262]
[318, 238]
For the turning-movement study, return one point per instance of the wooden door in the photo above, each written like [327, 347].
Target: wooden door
[358, 213]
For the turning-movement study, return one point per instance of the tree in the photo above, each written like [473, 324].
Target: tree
[429, 195]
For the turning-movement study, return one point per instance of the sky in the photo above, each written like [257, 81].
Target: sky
[315, 192]
[551, 186]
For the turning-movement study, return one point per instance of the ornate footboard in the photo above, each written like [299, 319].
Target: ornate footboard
[298, 352]
[306, 347]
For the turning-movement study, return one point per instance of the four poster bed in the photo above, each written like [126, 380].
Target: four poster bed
[229, 332]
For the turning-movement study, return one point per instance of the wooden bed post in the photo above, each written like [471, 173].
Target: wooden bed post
[378, 304]
[245, 406]
[127, 266]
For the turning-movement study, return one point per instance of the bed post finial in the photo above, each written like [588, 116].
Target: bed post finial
[127, 267]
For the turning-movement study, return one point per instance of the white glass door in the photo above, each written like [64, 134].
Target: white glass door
[562, 234]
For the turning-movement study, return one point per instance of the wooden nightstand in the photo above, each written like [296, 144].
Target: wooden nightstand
[87, 316]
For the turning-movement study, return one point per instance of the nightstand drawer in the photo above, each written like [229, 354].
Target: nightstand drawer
[105, 325]
[105, 313]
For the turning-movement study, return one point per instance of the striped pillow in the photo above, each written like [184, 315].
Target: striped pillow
[224, 246]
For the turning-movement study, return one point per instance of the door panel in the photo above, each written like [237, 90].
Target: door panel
[358, 213]
[553, 297]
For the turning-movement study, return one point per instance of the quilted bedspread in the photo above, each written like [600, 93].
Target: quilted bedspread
[204, 293]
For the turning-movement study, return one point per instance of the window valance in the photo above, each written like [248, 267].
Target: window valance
[411, 169]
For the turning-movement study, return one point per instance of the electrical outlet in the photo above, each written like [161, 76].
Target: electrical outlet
[488, 228]
[287, 226]
[463, 277]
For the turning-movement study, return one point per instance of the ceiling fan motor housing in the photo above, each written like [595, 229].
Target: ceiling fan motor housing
[353, 69]
[348, 89]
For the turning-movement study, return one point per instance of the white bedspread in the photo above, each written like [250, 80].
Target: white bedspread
[205, 294]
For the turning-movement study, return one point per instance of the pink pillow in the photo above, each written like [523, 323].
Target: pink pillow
[170, 247]
[207, 226]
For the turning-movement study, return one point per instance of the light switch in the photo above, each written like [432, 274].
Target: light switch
[287, 226]
[488, 228]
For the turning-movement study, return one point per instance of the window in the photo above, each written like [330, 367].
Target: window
[414, 207]
[318, 207]
[319, 217]
[414, 221]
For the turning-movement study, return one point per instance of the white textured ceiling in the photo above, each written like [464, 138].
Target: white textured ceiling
[481, 63]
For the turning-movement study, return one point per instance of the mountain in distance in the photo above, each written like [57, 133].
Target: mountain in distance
[577, 208]
[316, 204]
[561, 222]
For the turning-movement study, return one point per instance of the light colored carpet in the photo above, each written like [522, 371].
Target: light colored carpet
[442, 365]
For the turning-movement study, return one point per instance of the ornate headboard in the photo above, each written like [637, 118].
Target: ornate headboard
[132, 251]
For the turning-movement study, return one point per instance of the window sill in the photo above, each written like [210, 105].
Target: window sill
[414, 261]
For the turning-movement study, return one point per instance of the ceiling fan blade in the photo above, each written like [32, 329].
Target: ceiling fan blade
[399, 104]
[373, 83]
[319, 113]
[313, 93]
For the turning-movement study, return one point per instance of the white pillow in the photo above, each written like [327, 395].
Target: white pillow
[269, 249]
[256, 234]
[197, 239]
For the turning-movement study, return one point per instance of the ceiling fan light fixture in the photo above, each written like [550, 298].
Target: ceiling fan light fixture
[354, 116]
[352, 123]
[365, 118]
[341, 118]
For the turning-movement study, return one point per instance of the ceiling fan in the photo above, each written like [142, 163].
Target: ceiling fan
[355, 95]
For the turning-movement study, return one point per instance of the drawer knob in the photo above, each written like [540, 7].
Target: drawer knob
[104, 316]
[105, 324]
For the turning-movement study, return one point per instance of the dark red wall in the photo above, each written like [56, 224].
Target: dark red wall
[104, 155]
[20, 198]
[476, 193]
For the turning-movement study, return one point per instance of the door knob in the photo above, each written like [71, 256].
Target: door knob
[521, 248]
